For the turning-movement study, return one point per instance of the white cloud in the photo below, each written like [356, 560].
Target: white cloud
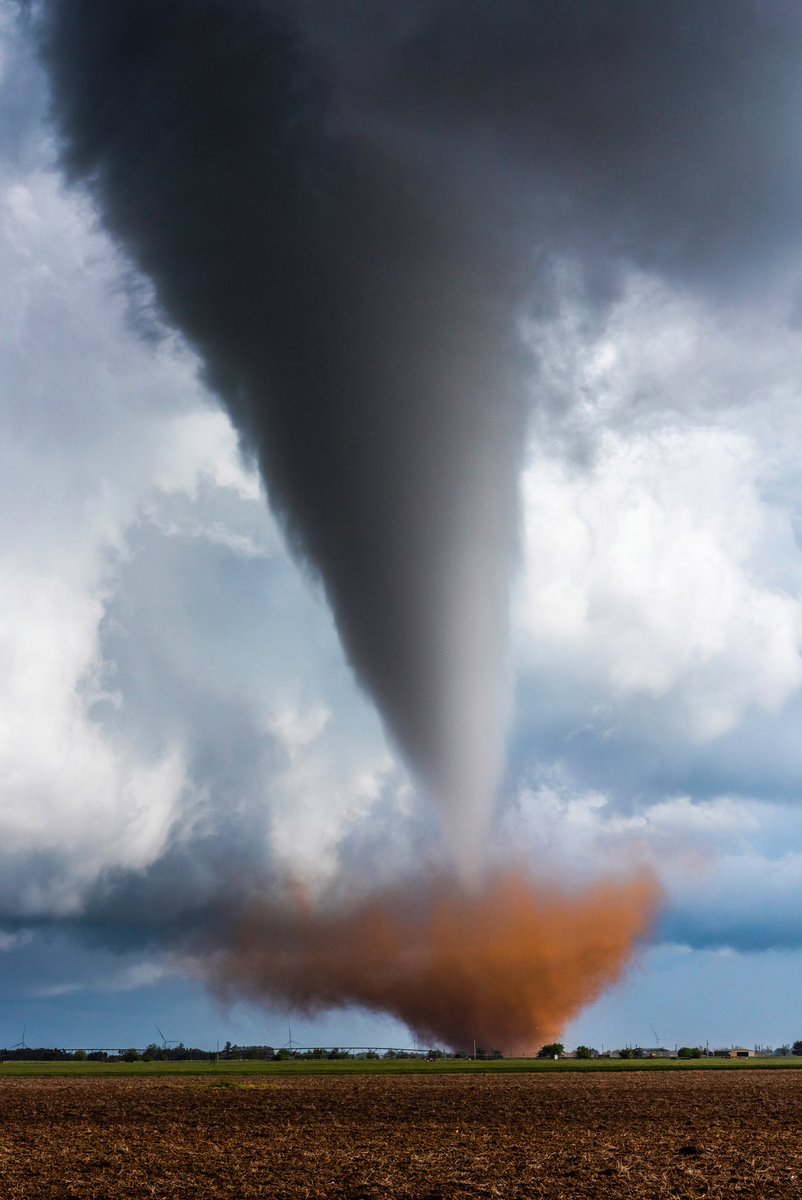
[315, 802]
[658, 354]
[201, 444]
[296, 726]
[127, 979]
[96, 428]
[645, 574]
[321, 792]
[589, 829]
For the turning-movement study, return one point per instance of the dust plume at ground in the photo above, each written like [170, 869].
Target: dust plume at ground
[505, 964]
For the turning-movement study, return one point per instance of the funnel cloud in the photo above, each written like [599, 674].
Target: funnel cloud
[357, 326]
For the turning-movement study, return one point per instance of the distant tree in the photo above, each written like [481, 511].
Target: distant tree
[796, 1049]
[689, 1052]
[283, 1055]
[584, 1052]
[80, 1056]
[130, 1056]
[552, 1050]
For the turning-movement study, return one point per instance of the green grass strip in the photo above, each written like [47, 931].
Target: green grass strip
[504, 1066]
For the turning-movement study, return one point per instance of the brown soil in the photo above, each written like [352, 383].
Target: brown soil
[681, 1135]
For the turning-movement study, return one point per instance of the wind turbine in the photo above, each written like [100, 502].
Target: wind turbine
[166, 1042]
[21, 1044]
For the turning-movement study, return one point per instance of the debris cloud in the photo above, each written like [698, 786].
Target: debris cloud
[506, 964]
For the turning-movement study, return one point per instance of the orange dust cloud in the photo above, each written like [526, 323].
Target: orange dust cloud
[506, 964]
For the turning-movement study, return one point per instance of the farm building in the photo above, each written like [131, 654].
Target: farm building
[734, 1052]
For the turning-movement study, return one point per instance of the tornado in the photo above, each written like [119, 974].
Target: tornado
[350, 211]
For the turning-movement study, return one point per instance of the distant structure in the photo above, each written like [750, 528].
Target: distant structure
[734, 1052]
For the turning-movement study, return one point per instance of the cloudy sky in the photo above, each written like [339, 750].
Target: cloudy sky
[177, 710]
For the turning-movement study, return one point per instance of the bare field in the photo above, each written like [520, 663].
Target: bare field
[568, 1135]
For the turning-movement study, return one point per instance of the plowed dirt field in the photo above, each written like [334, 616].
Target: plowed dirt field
[681, 1135]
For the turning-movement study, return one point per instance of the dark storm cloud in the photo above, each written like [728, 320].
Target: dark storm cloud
[346, 207]
[664, 134]
[744, 920]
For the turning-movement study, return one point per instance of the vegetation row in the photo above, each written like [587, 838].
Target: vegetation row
[232, 1052]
